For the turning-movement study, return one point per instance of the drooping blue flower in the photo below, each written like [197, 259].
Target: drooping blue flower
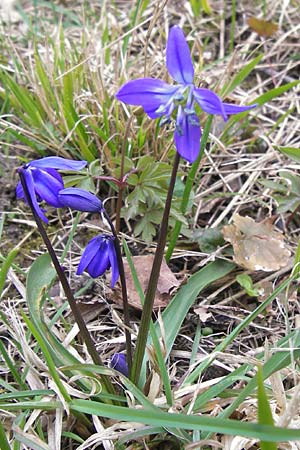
[99, 256]
[44, 182]
[80, 200]
[118, 362]
[160, 99]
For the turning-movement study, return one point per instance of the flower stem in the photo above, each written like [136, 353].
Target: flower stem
[188, 188]
[124, 292]
[66, 287]
[153, 280]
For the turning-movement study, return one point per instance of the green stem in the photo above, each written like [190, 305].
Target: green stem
[188, 188]
[124, 292]
[153, 280]
[66, 287]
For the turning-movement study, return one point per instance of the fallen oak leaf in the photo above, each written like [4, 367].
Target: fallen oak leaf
[256, 245]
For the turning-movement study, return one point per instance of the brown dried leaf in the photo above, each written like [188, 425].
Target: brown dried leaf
[264, 28]
[90, 311]
[201, 311]
[167, 282]
[256, 246]
[154, 385]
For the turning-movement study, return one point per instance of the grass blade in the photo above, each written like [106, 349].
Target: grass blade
[264, 411]
[188, 422]
[222, 346]
[154, 337]
[177, 309]
[240, 76]
[6, 266]
[3, 439]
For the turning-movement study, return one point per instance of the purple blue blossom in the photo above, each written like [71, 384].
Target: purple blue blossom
[80, 200]
[118, 362]
[99, 256]
[160, 99]
[44, 182]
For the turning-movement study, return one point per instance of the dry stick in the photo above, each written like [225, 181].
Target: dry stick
[124, 292]
[66, 287]
[153, 280]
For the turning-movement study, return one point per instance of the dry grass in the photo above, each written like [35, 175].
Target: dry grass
[230, 183]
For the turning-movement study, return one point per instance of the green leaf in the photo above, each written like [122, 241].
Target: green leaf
[11, 364]
[45, 82]
[276, 92]
[39, 279]
[276, 186]
[3, 439]
[288, 203]
[167, 420]
[264, 411]
[23, 100]
[261, 100]
[29, 440]
[236, 331]
[284, 351]
[176, 311]
[240, 76]
[154, 337]
[209, 239]
[291, 152]
[293, 181]
[145, 228]
[187, 422]
[6, 266]
[246, 282]
[198, 5]
[297, 260]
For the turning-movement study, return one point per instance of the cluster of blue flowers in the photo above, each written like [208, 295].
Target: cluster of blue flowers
[44, 183]
[159, 100]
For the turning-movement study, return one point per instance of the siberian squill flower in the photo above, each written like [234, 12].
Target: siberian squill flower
[99, 256]
[118, 362]
[100, 253]
[80, 200]
[160, 99]
[44, 182]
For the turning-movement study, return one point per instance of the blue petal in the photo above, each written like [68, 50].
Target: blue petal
[100, 263]
[80, 200]
[113, 263]
[55, 162]
[19, 190]
[30, 186]
[210, 102]
[179, 62]
[47, 185]
[188, 138]
[148, 93]
[89, 253]
[118, 362]
[235, 109]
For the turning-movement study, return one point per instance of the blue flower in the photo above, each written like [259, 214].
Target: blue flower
[80, 200]
[99, 256]
[160, 99]
[44, 182]
[118, 362]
